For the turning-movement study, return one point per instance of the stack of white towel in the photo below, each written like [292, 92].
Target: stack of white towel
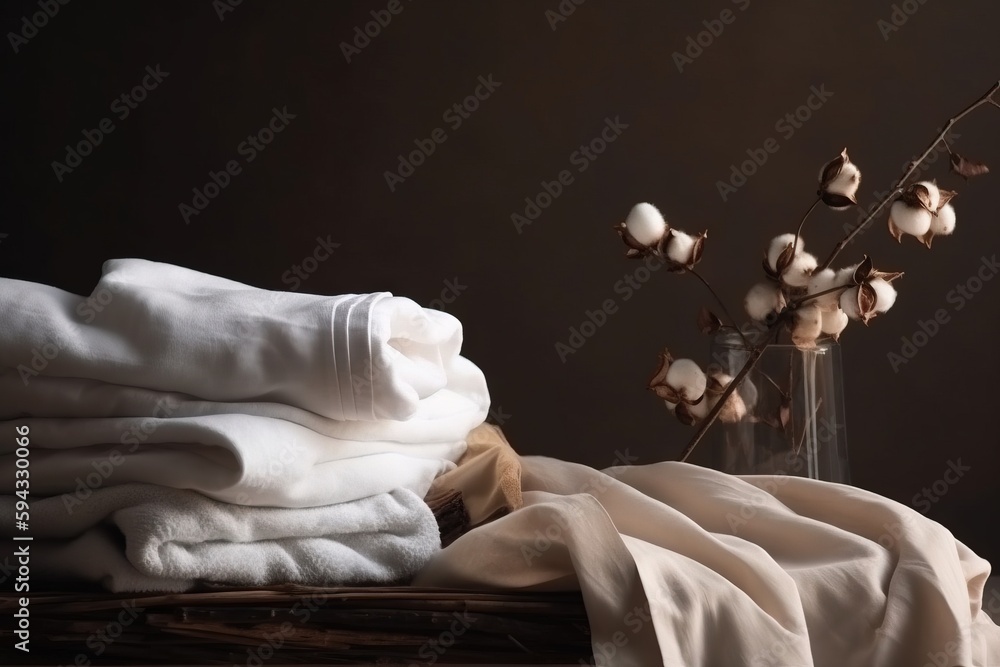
[230, 434]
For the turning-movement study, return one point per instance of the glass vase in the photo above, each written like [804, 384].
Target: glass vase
[795, 412]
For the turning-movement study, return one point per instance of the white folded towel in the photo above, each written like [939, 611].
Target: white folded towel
[445, 416]
[167, 328]
[175, 539]
[237, 458]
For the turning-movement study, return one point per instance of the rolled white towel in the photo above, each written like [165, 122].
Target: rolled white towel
[167, 328]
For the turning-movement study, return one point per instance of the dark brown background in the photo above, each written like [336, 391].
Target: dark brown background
[452, 219]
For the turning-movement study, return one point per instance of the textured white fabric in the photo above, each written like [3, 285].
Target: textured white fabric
[236, 458]
[174, 539]
[684, 566]
[446, 416]
[148, 324]
[169, 376]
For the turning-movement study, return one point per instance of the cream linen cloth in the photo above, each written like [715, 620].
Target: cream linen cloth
[684, 566]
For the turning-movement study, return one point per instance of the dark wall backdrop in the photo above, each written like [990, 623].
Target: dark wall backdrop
[891, 72]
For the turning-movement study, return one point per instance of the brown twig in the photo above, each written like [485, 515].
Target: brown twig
[718, 300]
[897, 187]
[802, 222]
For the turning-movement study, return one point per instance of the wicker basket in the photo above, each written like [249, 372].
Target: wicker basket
[293, 625]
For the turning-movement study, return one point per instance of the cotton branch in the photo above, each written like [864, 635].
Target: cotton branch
[987, 98]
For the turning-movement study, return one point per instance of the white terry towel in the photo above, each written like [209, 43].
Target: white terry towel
[445, 416]
[681, 565]
[237, 458]
[167, 328]
[175, 539]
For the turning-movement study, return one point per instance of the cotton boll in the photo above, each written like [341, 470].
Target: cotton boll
[800, 270]
[821, 282]
[849, 303]
[778, 245]
[735, 407]
[944, 223]
[722, 379]
[687, 378]
[762, 300]
[845, 276]
[700, 410]
[847, 181]
[913, 221]
[834, 322]
[734, 410]
[933, 192]
[807, 326]
[838, 182]
[646, 224]
[885, 294]
[670, 406]
[680, 249]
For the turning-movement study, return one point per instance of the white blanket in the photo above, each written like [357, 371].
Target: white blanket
[682, 566]
[175, 539]
[148, 324]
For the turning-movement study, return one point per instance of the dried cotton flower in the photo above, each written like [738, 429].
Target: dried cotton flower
[845, 276]
[914, 211]
[807, 326]
[677, 380]
[735, 407]
[821, 282]
[864, 301]
[849, 303]
[834, 322]
[800, 270]
[933, 194]
[838, 182]
[687, 378]
[907, 219]
[763, 300]
[943, 224]
[680, 248]
[646, 224]
[701, 409]
[885, 294]
[778, 247]
[734, 410]
[872, 293]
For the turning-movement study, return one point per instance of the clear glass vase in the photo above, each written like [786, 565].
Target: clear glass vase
[795, 412]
